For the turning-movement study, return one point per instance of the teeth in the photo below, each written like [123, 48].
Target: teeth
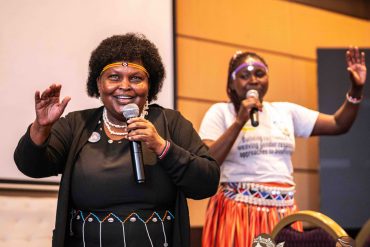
[123, 97]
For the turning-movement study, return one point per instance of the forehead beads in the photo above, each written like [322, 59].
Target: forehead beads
[125, 64]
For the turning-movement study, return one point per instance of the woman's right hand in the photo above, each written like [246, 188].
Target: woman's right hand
[48, 106]
[48, 110]
[245, 108]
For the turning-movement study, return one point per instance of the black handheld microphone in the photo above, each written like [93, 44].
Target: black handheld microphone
[131, 111]
[254, 111]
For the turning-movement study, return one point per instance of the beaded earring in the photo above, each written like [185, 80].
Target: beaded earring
[144, 112]
[101, 101]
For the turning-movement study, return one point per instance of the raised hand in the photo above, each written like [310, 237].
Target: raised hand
[356, 66]
[48, 106]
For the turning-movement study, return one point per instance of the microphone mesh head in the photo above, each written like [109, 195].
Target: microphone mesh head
[130, 111]
[252, 93]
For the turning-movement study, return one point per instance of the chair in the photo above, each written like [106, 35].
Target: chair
[326, 231]
[363, 237]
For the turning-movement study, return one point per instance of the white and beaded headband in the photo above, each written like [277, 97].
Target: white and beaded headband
[250, 66]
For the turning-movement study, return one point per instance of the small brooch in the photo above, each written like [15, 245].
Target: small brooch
[95, 137]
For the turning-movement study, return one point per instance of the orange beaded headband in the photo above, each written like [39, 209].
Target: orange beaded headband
[125, 64]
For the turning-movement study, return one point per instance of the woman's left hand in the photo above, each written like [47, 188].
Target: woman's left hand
[356, 67]
[140, 129]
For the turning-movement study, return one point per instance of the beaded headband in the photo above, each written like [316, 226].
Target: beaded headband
[250, 66]
[125, 64]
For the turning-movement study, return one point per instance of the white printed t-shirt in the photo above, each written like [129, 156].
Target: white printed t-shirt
[263, 153]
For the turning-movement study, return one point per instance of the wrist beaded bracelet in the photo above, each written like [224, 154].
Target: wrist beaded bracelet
[165, 150]
[353, 100]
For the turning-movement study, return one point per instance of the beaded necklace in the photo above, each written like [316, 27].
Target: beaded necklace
[109, 124]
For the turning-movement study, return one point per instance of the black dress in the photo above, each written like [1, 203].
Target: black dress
[110, 208]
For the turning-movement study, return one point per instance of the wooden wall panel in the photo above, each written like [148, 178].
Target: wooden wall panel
[306, 154]
[278, 26]
[193, 110]
[308, 190]
[202, 69]
[312, 28]
[197, 210]
[256, 23]
[304, 83]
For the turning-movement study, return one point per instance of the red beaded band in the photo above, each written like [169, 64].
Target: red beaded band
[165, 150]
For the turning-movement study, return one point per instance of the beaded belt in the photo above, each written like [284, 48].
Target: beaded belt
[89, 217]
[259, 194]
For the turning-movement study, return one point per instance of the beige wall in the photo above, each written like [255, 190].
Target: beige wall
[287, 36]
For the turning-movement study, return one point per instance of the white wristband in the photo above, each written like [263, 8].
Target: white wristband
[353, 100]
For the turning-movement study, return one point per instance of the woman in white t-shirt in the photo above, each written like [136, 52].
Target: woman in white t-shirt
[253, 140]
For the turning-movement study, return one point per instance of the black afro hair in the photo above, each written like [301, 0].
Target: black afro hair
[128, 47]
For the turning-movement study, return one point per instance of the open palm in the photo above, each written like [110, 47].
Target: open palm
[356, 66]
[48, 106]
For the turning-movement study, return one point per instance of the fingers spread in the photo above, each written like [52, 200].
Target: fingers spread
[45, 94]
[64, 102]
[363, 58]
[348, 58]
[37, 96]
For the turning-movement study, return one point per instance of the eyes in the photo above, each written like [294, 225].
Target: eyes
[133, 78]
[246, 74]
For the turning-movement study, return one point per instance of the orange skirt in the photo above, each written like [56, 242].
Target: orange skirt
[236, 216]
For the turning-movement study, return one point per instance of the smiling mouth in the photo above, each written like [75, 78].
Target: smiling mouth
[253, 88]
[124, 99]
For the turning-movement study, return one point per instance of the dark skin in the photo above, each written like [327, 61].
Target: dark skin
[326, 124]
[118, 86]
